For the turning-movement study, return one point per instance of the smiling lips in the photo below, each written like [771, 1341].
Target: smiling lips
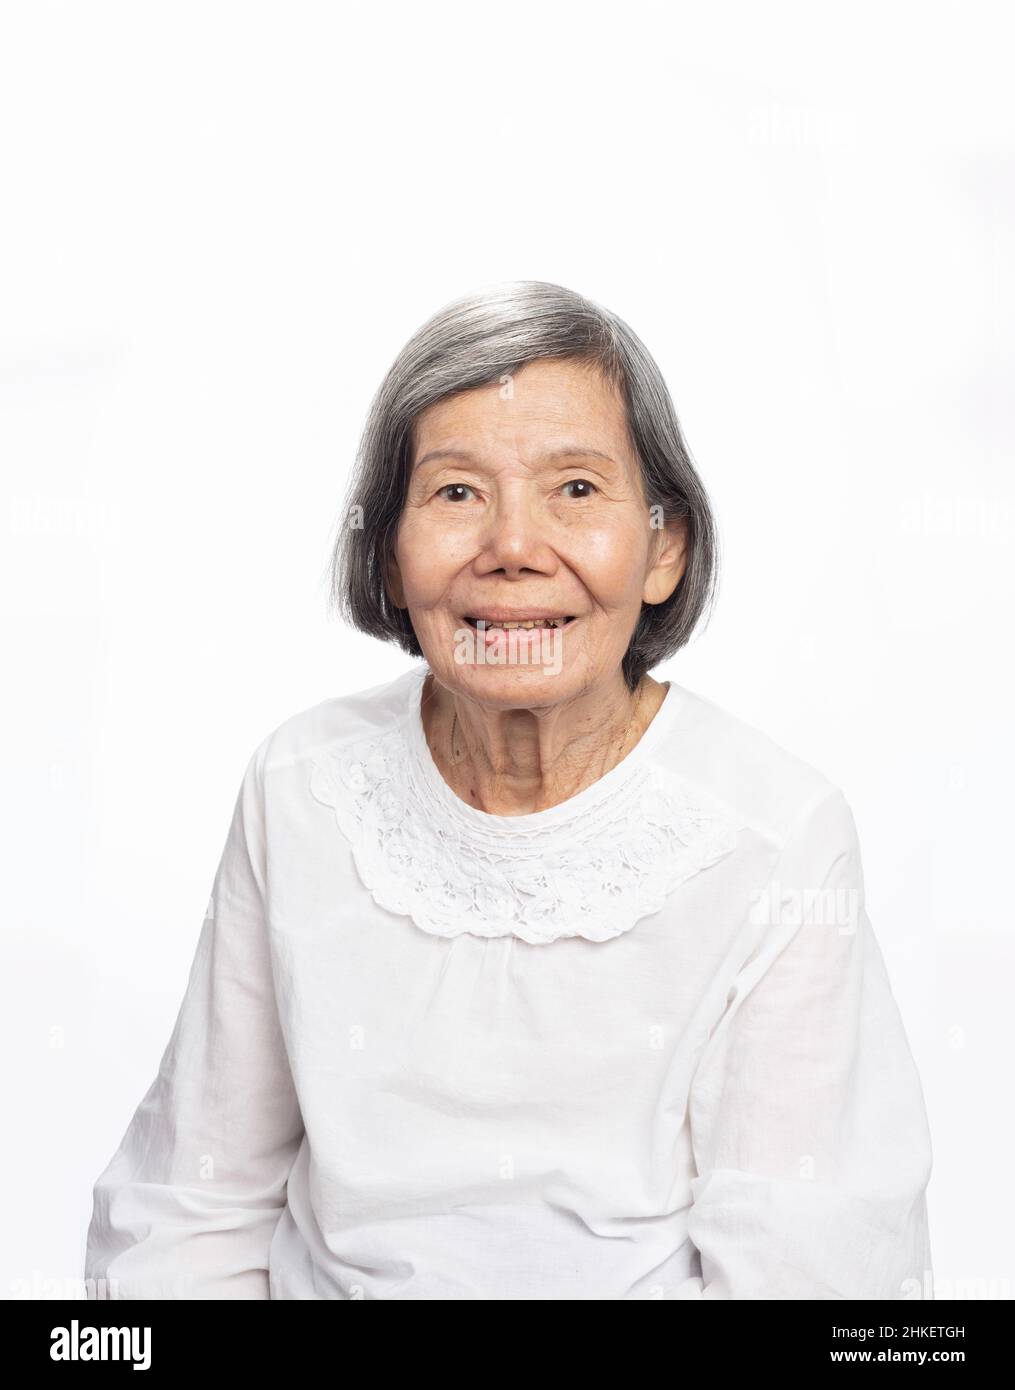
[491, 625]
[507, 624]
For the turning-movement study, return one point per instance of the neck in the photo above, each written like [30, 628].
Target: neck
[515, 762]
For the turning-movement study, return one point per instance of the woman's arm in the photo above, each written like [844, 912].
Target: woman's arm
[188, 1205]
[807, 1114]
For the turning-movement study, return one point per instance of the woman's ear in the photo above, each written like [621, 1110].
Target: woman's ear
[667, 560]
[393, 580]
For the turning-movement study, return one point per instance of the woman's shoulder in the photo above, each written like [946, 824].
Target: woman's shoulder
[766, 784]
[333, 722]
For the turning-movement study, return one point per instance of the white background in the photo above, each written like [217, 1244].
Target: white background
[219, 224]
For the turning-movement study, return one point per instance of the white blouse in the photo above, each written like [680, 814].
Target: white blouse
[640, 1045]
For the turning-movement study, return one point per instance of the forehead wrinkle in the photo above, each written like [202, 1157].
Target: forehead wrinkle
[554, 455]
[532, 431]
[544, 409]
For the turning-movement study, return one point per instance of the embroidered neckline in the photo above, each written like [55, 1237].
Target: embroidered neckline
[591, 866]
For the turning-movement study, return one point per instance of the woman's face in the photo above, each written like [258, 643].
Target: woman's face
[524, 503]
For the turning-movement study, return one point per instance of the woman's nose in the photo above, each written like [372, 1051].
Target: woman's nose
[515, 536]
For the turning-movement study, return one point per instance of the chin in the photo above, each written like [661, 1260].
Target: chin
[511, 687]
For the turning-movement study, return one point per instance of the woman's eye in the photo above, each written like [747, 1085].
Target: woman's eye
[449, 490]
[582, 483]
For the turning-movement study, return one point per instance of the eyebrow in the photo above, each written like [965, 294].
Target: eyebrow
[564, 451]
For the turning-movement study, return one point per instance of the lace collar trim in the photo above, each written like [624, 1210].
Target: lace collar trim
[592, 866]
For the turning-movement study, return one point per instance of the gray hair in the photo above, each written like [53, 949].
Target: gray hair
[475, 341]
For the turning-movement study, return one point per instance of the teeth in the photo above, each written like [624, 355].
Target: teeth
[530, 623]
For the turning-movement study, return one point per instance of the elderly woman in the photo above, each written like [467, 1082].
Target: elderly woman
[526, 975]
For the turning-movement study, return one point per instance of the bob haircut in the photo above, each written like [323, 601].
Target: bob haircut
[476, 341]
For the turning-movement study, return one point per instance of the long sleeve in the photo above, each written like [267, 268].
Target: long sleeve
[808, 1122]
[188, 1205]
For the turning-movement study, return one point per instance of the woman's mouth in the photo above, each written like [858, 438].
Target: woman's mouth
[487, 624]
